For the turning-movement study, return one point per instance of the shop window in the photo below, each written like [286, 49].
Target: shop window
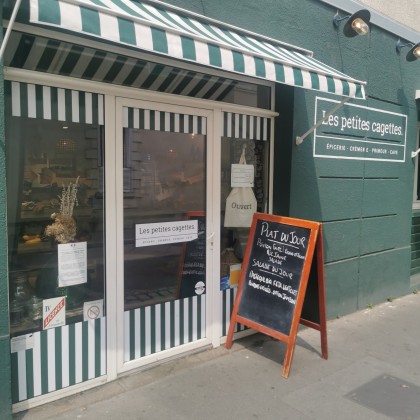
[48, 162]
[245, 136]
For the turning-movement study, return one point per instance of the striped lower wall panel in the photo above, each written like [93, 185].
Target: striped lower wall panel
[75, 353]
[160, 327]
[60, 357]
[163, 326]
[228, 299]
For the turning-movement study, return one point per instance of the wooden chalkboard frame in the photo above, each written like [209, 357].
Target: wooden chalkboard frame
[315, 245]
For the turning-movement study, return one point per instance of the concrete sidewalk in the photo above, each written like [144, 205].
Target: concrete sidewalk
[373, 372]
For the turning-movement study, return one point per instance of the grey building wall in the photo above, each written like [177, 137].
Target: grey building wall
[406, 12]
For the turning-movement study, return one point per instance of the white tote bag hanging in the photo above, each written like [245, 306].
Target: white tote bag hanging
[241, 204]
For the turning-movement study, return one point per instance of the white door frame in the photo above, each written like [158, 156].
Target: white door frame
[119, 236]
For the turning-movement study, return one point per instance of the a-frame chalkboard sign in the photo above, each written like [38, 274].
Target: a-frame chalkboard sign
[273, 294]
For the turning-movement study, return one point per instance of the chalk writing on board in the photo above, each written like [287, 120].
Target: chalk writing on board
[273, 274]
[273, 288]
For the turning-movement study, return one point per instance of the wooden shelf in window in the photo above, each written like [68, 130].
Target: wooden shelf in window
[24, 248]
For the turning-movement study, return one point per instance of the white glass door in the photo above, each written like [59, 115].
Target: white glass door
[162, 234]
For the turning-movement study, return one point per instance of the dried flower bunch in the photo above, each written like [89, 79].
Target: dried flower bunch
[63, 230]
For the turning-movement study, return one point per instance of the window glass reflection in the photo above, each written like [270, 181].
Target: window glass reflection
[234, 239]
[164, 188]
[48, 162]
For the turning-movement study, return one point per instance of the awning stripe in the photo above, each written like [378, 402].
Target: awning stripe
[146, 119]
[153, 29]
[127, 31]
[245, 127]
[50, 103]
[220, 38]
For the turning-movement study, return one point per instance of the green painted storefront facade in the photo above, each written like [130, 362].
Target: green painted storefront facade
[365, 205]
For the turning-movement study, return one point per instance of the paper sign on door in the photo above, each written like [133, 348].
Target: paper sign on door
[242, 175]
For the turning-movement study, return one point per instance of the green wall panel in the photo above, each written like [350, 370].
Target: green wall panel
[381, 197]
[325, 167]
[379, 234]
[341, 284]
[341, 240]
[350, 238]
[385, 170]
[383, 276]
[340, 198]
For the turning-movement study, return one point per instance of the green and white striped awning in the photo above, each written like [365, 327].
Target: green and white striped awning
[181, 35]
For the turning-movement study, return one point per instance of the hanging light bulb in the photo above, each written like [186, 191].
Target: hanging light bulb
[357, 23]
[360, 26]
[416, 52]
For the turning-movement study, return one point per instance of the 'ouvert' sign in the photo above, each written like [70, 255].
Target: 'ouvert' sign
[359, 132]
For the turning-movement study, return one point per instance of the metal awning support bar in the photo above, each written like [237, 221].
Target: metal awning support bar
[299, 139]
[9, 28]
[414, 154]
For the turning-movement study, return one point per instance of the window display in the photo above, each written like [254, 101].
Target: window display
[165, 209]
[244, 188]
[55, 219]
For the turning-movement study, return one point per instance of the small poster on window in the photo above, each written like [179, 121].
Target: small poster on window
[242, 175]
[93, 310]
[72, 264]
[53, 312]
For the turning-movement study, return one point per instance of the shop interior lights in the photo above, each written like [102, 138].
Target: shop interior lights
[65, 146]
[357, 23]
[413, 54]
